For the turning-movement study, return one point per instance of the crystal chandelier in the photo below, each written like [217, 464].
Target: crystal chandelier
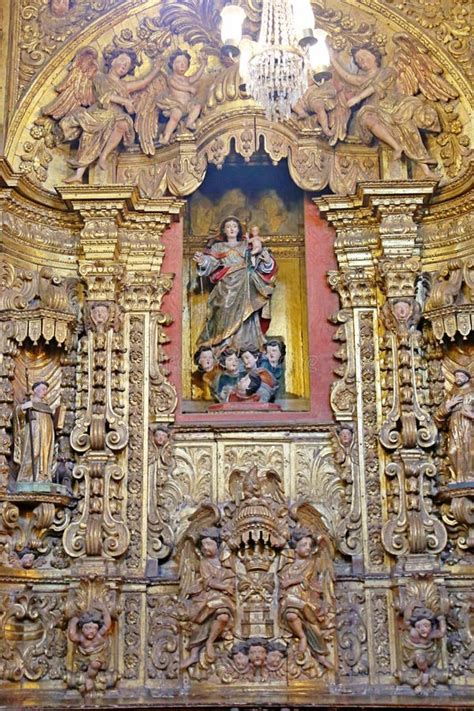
[275, 69]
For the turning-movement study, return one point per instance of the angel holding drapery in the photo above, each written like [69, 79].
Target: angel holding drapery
[96, 106]
[394, 112]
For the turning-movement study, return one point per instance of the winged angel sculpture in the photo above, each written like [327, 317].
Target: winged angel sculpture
[207, 583]
[97, 106]
[398, 101]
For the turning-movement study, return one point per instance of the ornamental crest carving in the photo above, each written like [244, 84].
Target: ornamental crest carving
[257, 586]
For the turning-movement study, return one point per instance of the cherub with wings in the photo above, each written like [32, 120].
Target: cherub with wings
[177, 97]
[306, 585]
[325, 98]
[96, 105]
[207, 583]
[395, 112]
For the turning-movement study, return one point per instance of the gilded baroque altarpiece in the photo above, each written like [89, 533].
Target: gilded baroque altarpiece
[236, 362]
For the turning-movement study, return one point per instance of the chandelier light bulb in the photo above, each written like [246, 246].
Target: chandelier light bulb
[319, 56]
[303, 18]
[232, 17]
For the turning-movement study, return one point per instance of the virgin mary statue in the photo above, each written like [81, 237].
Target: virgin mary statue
[238, 312]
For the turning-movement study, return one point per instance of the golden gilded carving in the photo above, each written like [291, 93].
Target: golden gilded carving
[27, 523]
[92, 610]
[180, 554]
[422, 609]
[446, 23]
[396, 113]
[45, 26]
[343, 391]
[459, 622]
[450, 306]
[408, 430]
[259, 597]
[349, 528]
[32, 643]
[379, 616]
[351, 632]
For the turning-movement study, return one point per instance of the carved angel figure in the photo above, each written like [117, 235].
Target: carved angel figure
[255, 484]
[326, 100]
[421, 651]
[207, 584]
[306, 584]
[96, 105]
[175, 95]
[394, 112]
[89, 632]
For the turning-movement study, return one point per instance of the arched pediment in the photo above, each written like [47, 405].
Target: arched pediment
[432, 115]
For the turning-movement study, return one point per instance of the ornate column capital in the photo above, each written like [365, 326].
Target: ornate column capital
[396, 205]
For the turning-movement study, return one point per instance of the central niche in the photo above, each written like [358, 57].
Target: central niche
[245, 340]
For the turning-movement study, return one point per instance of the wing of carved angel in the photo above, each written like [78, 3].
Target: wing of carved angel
[419, 71]
[205, 516]
[308, 517]
[146, 115]
[77, 88]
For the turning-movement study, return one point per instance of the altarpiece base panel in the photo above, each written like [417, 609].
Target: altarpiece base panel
[236, 363]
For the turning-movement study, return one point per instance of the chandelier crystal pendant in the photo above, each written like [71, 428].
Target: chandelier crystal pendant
[277, 72]
[275, 69]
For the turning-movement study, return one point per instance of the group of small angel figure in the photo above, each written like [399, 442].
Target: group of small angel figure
[97, 106]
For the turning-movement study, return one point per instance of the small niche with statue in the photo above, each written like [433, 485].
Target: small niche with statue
[245, 344]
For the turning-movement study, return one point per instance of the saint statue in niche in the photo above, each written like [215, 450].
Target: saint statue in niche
[35, 436]
[242, 271]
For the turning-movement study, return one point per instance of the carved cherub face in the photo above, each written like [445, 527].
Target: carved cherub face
[274, 659]
[304, 547]
[249, 360]
[27, 560]
[232, 364]
[180, 64]
[423, 627]
[59, 8]
[206, 360]
[160, 437]
[240, 661]
[345, 436]
[209, 547]
[90, 630]
[100, 312]
[365, 60]
[121, 64]
[402, 310]
[257, 655]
